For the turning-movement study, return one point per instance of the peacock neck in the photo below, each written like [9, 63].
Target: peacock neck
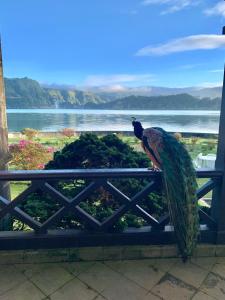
[138, 132]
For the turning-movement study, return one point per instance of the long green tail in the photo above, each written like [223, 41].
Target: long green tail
[180, 184]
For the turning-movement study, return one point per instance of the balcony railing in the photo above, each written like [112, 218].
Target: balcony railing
[92, 231]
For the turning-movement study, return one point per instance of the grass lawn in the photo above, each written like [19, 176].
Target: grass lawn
[17, 187]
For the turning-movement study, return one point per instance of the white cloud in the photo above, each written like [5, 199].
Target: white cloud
[113, 88]
[210, 84]
[189, 66]
[171, 6]
[217, 10]
[117, 79]
[217, 71]
[189, 43]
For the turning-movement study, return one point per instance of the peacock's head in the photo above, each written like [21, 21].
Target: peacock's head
[138, 129]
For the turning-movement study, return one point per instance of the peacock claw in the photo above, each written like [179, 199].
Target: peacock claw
[154, 169]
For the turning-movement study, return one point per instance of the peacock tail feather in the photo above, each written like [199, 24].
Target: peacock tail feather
[180, 186]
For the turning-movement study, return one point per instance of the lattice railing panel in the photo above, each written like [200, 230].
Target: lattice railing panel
[73, 206]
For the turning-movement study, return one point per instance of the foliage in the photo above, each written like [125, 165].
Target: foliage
[68, 132]
[90, 151]
[30, 133]
[29, 155]
[194, 140]
[178, 136]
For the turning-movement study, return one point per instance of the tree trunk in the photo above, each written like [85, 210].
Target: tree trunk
[5, 223]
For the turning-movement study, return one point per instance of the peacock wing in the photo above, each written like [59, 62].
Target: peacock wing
[153, 142]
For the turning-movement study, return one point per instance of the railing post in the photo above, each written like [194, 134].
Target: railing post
[218, 200]
[5, 224]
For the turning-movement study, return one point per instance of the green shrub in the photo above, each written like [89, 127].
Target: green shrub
[89, 151]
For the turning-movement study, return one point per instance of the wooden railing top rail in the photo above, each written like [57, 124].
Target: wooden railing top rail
[95, 173]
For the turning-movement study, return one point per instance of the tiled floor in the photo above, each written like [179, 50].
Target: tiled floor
[200, 279]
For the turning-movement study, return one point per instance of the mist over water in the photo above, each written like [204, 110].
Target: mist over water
[112, 120]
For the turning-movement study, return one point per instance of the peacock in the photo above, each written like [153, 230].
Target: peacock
[179, 183]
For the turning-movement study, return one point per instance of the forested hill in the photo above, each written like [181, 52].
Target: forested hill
[173, 102]
[28, 93]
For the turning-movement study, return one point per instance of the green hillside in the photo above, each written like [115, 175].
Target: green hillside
[28, 93]
[173, 102]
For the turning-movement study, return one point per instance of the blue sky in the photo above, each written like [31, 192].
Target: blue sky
[114, 43]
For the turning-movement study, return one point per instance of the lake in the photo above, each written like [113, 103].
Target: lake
[112, 120]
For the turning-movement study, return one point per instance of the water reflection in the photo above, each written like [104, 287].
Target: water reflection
[54, 120]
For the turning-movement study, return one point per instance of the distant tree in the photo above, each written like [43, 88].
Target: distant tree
[178, 136]
[68, 132]
[30, 133]
[194, 140]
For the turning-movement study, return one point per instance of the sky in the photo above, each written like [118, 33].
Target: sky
[114, 43]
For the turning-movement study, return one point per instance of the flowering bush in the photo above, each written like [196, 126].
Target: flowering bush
[29, 155]
[68, 132]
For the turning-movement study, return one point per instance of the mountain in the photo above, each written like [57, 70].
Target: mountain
[113, 93]
[28, 93]
[173, 102]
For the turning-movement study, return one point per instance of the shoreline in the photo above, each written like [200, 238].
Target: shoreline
[126, 133]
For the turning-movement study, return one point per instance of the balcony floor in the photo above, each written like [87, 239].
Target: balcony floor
[200, 279]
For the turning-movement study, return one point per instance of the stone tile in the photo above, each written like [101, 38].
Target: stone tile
[74, 290]
[189, 273]
[90, 253]
[73, 254]
[49, 277]
[171, 288]
[99, 297]
[164, 264]
[11, 257]
[151, 251]
[219, 269]
[112, 253]
[220, 250]
[205, 250]
[46, 255]
[10, 277]
[170, 251]
[24, 291]
[132, 252]
[220, 260]
[150, 296]
[202, 296]
[204, 262]
[30, 270]
[77, 267]
[111, 284]
[214, 286]
[143, 272]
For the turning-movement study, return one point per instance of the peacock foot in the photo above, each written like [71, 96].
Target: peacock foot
[154, 169]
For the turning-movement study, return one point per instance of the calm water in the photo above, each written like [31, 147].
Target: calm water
[112, 120]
